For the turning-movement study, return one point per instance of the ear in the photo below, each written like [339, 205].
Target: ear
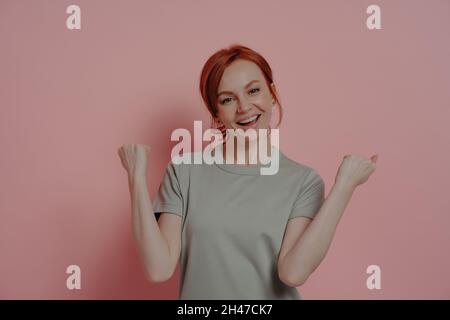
[274, 90]
[217, 119]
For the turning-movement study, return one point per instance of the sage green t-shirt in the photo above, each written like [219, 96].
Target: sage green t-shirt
[233, 222]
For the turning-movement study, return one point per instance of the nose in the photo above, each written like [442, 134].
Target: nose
[244, 106]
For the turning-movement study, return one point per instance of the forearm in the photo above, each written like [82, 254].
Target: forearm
[151, 243]
[310, 249]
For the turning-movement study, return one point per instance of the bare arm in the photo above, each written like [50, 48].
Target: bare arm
[306, 244]
[152, 245]
[158, 244]
[310, 248]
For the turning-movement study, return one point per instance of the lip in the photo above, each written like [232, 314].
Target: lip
[251, 125]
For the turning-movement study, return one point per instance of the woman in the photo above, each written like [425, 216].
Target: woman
[236, 233]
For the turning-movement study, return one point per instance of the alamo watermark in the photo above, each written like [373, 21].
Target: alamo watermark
[236, 141]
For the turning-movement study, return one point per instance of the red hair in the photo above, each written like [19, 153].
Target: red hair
[215, 66]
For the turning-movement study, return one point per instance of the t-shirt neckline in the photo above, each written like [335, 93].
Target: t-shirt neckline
[252, 169]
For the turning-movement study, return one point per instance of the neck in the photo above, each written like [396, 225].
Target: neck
[251, 149]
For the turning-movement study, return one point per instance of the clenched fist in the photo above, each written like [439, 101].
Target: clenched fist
[134, 159]
[355, 170]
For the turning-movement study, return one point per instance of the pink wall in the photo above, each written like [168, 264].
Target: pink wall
[70, 98]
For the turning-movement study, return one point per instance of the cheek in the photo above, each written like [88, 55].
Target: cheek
[265, 101]
[266, 105]
[268, 114]
[226, 114]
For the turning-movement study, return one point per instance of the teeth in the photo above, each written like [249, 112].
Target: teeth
[249, 120]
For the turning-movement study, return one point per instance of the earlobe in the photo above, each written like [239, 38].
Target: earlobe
[217, 121]
[273, 91]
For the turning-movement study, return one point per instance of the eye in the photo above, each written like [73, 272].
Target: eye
[225, 101]
[254, 90]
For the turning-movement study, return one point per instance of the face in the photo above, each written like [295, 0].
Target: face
[244, 99]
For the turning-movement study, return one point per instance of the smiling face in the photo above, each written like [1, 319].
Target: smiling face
[244, 99]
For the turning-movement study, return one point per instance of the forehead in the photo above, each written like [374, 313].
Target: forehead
[238, 74]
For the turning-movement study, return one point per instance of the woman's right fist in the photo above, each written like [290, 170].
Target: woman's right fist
[134, 159]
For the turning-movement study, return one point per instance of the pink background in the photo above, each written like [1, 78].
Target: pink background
[70, 98]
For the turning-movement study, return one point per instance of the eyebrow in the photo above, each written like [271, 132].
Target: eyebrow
[246, 86]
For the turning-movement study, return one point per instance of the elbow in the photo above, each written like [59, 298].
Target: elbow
[157, 277]
[293, 280]
[157, 272]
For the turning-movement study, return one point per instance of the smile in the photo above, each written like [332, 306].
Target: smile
[250, 121]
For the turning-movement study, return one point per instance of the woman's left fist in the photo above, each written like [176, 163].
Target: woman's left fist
[355, 170]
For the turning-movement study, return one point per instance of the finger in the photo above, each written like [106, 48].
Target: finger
[121, 154]
[374, 158]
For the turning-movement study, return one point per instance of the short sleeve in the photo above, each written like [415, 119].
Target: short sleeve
[310, 198]
[169, 196]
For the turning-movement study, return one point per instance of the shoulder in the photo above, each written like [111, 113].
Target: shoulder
[293, 166]
[182, 165]
[305, 173]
